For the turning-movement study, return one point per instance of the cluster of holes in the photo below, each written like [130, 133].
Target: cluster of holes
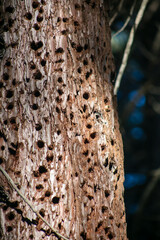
[36, 45]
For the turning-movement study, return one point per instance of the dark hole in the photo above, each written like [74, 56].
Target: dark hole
[79, 48]
[36, 26]
[83, 235]
[43, 2]
[42, 212]
[106, 100]
[84, 108]
[12, 151]
[36, 174]
[58, 19]
[38, 127]
[9, 9]
[59, 61]
[1, 84]
[104, 209]
[36, 93]
[118, 178]
[92, 58]
[64, 32]
[39, 44]
[5, 76]
[42, 169]
[106, 162]
[76, 23]
[31, 236]
[2, 148]
[27, 80]
[57, 110]
[88, 160]
[55, 200]
[38, 75]
[110, 235]
[59, 225]
[14, 145]
[49, 158]
[90, 197]
[85, 62]
[103, 147]
[58, 132]
[85, 153]
[39, 18]
[1, 160]
[14, 204]
[39, 186]
[9, 229]
[112, 142]
[90, 170]
[43, 62]
[116, 187]
[89, 126]
[106, 229]
[28, 15]
[60, 91]
[47, 194]
[59, 50]
[71, 116]
[60, 80]
[77, 6]
[35, 106]
[79, 70]
[86, 141]
[65, 19]
[10, 106]
[106, 192]
[85, 46]
[5, 28]
[115, 172]
[99, 225]
[93, 135]
[73, 44]
[41, 10]
[8, 63]
[76, 174]
[14, 82]
[40, 144]
[110, 166]
[60, 158]
[9, 94]
[86, 95]
[35, 4]
[1, 22]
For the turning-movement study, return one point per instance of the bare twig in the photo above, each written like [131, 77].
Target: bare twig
[127, 20]
[10, 181]
[129, 44]
[116, 13]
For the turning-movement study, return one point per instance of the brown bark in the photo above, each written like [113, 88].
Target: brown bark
[60, 139]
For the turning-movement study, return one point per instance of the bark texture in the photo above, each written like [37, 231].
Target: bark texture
[59, 136]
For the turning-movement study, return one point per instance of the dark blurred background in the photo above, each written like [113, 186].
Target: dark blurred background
[139, 116]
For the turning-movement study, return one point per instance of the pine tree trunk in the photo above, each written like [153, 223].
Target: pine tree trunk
[59, 136]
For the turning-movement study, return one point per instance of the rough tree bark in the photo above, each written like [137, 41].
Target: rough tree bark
[59, 136]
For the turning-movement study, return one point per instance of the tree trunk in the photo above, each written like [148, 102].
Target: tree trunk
[60, 139]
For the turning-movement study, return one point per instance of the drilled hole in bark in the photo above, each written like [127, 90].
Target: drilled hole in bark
[41, 10]
[42, 169]
[1, 160]
[27, 80]
[88, 160]
[5, 76]
[55, 200]
[107, 194]
[12, 151]
[65, 19]
[104, 209]
[118, 178]
[1, 84]
[36, 93]
[76, 23]
[99, 225]
[47, 193]
[103, 147]
[86, 141]
[106, 100]
[43, 62]
[35, 4]
[43, 2]
[10, 106]
[9, 229]
[42, 212]
[58, 132]
[110, 235]
[60, 91]
[76, 174]
[77, 6]
[36, 26]
[79, 70]
[14, 204]
[64, 32]
[28, 16]
[89, 126]
[111, 166]
[85, 153]
[115, 171]
[105, 162]
[92, 58]
[83, 235]
[2, 148]
[59, 225]
[8, 63]
[35, 106]
[71, 116]
[85, 62]
[86, 95]
[60, 80]
[37, 75]
[90, 197]
[79, 48]
[31, 236]
[14, 82]
[112, 142]
[84, 108]
[86, 46]
[58, 19]
[38, 127]
[39, 187]
[60, 158]
[90, 170]
[9, 94]
[49, 158]
[93, 135]
[9, 9]
[59, 50]
[40, 144]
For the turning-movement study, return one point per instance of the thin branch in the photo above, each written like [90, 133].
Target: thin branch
[127, 20]
[10, 181]
[116, 13]
[129, 45]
